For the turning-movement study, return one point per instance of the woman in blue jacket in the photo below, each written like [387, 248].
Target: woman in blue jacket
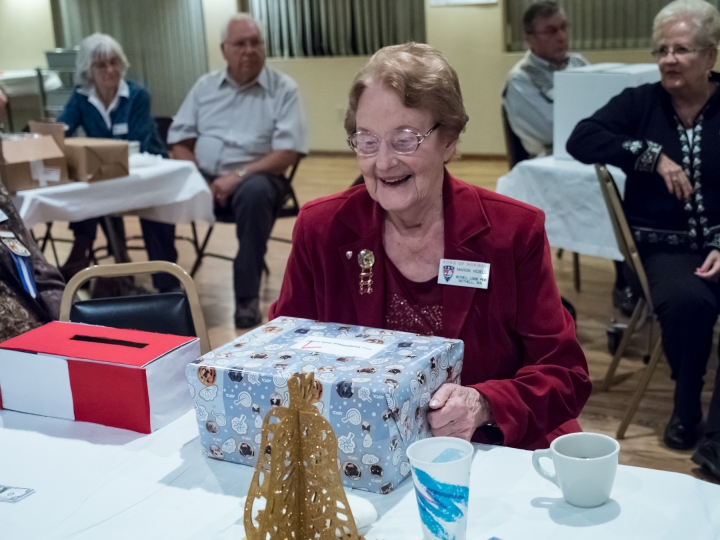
[105, 105]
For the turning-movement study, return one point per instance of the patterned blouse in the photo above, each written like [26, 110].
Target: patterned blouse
[411, 306]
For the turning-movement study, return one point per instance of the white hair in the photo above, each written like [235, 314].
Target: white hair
[242, 17]
[97, 47]
[702, 16]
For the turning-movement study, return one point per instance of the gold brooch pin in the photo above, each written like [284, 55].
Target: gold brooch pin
[366, 260]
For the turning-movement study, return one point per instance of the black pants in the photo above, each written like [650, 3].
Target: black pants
[159, 243]
[253, 207]
[687, 308]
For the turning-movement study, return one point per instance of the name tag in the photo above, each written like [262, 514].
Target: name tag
[464, 273]
[120, 129]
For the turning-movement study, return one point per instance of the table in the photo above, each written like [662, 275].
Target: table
[168, 190]
[569, 193]
[95, 482]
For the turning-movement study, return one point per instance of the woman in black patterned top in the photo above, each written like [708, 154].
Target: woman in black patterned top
[666, 138]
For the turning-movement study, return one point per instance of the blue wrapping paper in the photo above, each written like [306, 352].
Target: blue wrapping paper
[376, 387]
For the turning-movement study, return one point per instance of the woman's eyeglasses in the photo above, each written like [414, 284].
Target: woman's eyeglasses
[678, 51]
[401, 141]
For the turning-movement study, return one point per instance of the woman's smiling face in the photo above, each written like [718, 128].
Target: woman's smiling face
[400, 182]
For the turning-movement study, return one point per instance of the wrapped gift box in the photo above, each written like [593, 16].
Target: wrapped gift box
[120, 378]
[90, 160]
[376, 387]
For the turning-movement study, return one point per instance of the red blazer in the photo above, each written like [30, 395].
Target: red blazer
[520, 347]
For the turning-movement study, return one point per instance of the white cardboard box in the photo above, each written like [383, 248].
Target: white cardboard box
[579, 92]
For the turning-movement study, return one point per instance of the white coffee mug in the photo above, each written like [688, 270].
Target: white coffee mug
[585, 466]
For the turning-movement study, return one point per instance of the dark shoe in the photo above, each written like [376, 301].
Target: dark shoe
[624, 300]
[680, 435]
[707, 455]
[247, 313]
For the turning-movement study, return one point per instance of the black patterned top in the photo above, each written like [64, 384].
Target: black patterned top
[631, 132]
[19, 312]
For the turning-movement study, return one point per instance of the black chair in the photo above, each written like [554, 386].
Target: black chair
[290, 207]
[177, 313]
[515, 150]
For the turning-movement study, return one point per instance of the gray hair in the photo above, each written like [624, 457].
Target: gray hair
[702, 16]
[242, 17]
[94, 47]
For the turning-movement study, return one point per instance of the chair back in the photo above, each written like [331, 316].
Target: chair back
[515, 150]
[623, 234]
[176, 313]
[163, 124]
[290, 206]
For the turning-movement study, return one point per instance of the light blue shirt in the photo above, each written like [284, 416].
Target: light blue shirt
[235, 125]
[528, 99]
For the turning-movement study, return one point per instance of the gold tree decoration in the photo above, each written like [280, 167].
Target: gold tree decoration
[297, 474]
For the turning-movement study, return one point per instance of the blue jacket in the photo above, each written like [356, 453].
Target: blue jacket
[133, 111]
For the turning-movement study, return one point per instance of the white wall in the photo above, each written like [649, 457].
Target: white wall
[26, 32]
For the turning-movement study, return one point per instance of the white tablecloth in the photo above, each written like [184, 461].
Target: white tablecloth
[170, 191]
[96, 482]
[569, 194]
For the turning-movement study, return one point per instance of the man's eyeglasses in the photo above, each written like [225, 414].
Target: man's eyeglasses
[677, 51]
[553, 31]
[401, 141]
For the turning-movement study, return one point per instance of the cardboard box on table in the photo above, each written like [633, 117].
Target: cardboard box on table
[91, 160]
[29, 161]
[579, 92]
[121, 378]
[376, 387]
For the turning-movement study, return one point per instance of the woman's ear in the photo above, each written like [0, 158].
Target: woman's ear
[712, 57]
[449, 150]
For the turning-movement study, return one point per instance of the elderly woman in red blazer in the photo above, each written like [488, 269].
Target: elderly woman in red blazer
[389, 255]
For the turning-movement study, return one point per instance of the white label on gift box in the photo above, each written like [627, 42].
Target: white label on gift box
[339, 347]
[464, 273]
[120, 129]
[50, 174]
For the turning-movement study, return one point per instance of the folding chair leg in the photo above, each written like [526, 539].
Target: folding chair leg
[640, 390]
[639, 307]
[576, 271]
[201, 251]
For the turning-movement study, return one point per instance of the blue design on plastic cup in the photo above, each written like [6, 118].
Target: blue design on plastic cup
[440, 504]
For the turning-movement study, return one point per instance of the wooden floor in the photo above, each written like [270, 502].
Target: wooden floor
[324, 175]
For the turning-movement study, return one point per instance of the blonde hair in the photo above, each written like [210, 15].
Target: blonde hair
[703, 16]
[423, 79]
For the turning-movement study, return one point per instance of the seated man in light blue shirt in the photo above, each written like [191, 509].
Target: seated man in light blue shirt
[244, 127]
[528, 94]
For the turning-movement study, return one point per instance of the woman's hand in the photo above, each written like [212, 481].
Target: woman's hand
[675, 178]
[710, 269]
[457, 411]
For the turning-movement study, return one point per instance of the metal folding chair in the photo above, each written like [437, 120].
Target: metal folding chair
[627, 247]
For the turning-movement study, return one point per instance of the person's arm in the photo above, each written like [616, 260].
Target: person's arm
[141, 126]
[297, 295]
[530, 114]
[553, 384]
[71, 115]
[609, 135]
[183, 132]
[184, 150]
[3, 104]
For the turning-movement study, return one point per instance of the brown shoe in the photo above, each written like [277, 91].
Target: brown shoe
[247, 313]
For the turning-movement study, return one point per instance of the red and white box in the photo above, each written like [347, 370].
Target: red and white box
[121, 378]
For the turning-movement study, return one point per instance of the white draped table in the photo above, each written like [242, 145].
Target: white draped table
[96, 482]
[167, 190]
[569, 193]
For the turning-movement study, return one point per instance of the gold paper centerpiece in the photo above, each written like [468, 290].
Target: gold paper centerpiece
[297, 474]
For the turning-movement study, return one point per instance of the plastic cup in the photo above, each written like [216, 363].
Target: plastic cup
[441, 474]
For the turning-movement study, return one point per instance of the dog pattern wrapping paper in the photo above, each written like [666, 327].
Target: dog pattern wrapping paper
[375, 389]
